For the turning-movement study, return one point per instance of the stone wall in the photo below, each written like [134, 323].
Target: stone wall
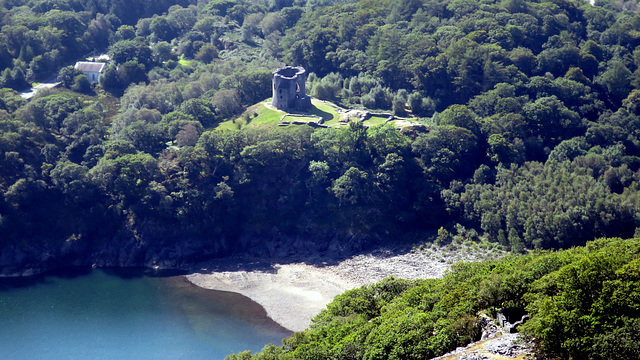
[289, 92]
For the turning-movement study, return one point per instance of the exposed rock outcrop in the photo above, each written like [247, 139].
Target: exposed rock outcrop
[162, 249]
[495, 343]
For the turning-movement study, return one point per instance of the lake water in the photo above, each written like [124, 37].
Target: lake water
[101, 315]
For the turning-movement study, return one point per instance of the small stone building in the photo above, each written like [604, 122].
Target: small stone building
[289, 89]
[91, 69]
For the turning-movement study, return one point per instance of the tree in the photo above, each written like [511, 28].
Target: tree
[206, 53]
[271, 23]
[110, 80]
[132, 72]
[252, 85]
[67, 75]
[502, 151]
[188, 136]
[14, 79]
[400, 102]
[81, 84]
[200, 110]
[98, 31]
[250, 26]
[125, 32]
[329, 87]
[460, 116]
[291, 15]
[447, 152]
[162, 52]
[207, 26]
[351, 188]
[319, 173]
[10, 100]
[162, 29]
[524, 59]
[384, 139]
[144, 136]
[42, 66]
[72, 180]
[125, 178]
[131, 50]
[219, 7]
[181, 19]
[617, 80]
[280, 4]
[378, 98]
[421, 106]
[632, 102]
[551, 119]
[143, 27]
[226, 103]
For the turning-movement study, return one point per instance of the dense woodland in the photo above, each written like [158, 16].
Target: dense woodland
[533, 137]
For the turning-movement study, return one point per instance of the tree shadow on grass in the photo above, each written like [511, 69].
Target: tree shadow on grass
[326, 116]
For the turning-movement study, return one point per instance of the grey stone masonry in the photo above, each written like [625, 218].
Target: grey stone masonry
[289, 89]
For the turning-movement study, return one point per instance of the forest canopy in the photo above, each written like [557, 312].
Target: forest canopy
[531, 133]
[529, 138]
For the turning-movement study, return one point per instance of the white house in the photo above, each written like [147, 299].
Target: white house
[91, 69]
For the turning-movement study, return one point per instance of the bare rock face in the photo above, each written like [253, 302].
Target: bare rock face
[162, 249]
[496, 341]
[289, 91]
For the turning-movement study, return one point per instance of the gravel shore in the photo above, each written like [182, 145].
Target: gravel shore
[292, 293]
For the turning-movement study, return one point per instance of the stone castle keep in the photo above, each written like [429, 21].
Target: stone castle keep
[288, 89]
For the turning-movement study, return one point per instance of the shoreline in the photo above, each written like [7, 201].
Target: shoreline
[292, 293]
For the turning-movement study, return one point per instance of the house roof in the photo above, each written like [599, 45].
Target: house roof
[87, 66]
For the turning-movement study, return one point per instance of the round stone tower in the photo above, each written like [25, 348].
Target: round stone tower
[289, 89]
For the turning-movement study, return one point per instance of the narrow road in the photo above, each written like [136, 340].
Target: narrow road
[52, 83]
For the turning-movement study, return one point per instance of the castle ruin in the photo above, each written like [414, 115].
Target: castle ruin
[289, 89]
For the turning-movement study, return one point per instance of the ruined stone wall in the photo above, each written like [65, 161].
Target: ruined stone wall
[289, 92]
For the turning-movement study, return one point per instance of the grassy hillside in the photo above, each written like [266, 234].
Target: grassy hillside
[263, 115]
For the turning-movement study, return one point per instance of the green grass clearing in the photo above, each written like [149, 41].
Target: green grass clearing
[230, 125]
[258, 115]
[375, 120]
[330, 115]
[263, 115]
[184, 62]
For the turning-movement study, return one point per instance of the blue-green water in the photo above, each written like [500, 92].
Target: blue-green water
[103, 316]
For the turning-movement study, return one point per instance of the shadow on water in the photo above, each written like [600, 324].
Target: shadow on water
[9, 283]
[133, 273]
